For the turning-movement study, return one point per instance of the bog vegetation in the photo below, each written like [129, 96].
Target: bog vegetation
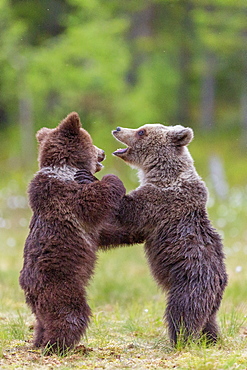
[125, 64]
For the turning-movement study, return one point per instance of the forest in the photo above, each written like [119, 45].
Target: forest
[121, 63]
[125, 63]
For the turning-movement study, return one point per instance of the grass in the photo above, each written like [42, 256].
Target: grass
[127, 329]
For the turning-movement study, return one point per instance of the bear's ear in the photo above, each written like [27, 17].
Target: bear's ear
[42, 134]
[71, 124]
[182, 135]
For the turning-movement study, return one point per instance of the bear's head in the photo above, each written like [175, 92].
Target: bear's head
[69, 145]
[155, 145]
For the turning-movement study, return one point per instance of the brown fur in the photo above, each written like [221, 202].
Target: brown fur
[168, 211]
[60, 250]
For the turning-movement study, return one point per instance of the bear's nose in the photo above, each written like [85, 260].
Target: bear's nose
[118, 128]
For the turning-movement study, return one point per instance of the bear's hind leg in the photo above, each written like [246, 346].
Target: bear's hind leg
[178, 330]
[39, 334]
[211, 330]
[63, 332]
[185, 314]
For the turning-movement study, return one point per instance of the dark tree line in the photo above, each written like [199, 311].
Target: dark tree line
[128, 62]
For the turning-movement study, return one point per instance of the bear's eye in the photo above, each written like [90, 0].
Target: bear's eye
[141, 132]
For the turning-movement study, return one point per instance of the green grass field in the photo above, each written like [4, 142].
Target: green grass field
[127, 330]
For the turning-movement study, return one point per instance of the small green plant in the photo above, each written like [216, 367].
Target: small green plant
[18, 328]
[231, 323]
[58, 349]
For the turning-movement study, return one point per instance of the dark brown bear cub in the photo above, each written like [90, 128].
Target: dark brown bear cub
[168, 211]
[60, 250]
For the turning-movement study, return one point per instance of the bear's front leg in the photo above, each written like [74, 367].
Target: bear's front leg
[84, 177]
[126, 226]
[98, 201]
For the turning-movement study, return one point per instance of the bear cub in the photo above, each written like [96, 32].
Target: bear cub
[168, 211]
[60, 250]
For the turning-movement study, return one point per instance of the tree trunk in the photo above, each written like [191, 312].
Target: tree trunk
[26, 129]
[183, 111]
[27, 133]
[141, 28]
[244, 105]
[218, 177]
[208, 92]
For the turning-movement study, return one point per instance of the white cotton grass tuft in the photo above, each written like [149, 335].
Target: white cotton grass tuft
[238, 269]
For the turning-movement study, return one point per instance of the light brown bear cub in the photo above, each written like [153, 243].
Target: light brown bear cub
[60, 250]
[168, 211]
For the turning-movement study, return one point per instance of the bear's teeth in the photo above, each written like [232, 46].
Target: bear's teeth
[121, 150]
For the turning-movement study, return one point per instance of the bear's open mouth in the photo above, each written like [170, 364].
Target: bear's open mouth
[99, 165]
[100, 160]
[120, 151]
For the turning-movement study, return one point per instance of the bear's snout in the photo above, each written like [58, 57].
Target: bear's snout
[118, 129]
[101, 156]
